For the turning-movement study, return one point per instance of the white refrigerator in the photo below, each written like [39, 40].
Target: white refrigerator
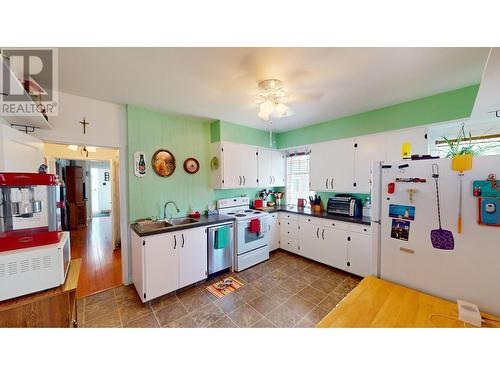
[402, 225]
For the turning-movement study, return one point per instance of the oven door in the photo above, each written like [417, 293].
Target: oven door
[247, 241]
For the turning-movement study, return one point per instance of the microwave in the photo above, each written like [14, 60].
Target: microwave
[33, 269]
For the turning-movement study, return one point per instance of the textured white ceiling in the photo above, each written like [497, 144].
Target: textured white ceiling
[220, 83]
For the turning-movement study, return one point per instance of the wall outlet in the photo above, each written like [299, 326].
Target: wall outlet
[469, 313]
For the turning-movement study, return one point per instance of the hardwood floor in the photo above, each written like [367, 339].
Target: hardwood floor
[101, 264]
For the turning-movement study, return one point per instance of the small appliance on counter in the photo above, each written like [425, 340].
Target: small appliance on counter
[345, 204]
[34, 253]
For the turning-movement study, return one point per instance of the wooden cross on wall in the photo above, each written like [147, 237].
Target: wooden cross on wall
[84, 123]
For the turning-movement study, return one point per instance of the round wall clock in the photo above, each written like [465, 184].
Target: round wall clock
[191, 165]
[163, 163]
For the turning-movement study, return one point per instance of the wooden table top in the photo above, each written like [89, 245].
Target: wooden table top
[69, 285]
[380, 303]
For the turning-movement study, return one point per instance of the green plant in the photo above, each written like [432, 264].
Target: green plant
[462, 145]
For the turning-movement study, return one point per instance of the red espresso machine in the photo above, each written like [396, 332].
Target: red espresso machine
[34, 253]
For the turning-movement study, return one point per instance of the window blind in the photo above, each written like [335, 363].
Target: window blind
[297, 178]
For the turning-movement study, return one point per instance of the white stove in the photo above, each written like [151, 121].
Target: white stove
[251, 247]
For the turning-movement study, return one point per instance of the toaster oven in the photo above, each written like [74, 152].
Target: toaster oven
[345, 204]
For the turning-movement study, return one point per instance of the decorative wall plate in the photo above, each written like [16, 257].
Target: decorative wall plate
[163, 163]
[214, 163]
[191, 165]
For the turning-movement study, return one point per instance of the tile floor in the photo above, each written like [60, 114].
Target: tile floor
[285, 291]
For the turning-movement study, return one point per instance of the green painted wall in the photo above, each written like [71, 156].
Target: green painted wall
[446, 106]
[185, 137]
[227, 131]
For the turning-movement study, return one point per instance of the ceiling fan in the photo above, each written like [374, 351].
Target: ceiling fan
[271, 99]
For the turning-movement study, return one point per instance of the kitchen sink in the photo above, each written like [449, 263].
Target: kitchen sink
[182, 221]
[154, 225]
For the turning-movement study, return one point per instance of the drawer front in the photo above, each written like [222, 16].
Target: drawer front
[288, 216]
[289, 244]
[311, 220]
[289, 230]
[358, 228]
[342, 225]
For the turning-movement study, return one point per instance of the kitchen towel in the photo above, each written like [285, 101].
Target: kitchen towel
[221, 237]
[254, 226]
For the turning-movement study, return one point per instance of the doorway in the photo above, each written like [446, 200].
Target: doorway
[92, 205]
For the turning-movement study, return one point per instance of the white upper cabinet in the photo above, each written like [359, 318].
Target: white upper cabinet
[271, 168]
[368, 149]
[237, 167]
[319, 167]
[416, 137]
[265, 160]
[344, 165]
[279, 168]
[332, 165]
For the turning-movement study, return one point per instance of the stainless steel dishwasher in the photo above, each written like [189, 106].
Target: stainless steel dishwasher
[220, 259]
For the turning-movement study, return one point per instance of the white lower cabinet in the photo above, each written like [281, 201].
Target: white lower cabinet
[359, 254]
[274, 231]
[338, 244]
[165, 262]
[192, 256]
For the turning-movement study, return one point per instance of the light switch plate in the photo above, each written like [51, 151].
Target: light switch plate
[469, 313]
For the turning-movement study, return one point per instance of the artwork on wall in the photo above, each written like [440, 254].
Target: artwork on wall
[163, 162]
[191, 165]
[139, 163]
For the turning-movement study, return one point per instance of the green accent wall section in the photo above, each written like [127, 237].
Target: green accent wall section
[228, 131]
[185, 137]
[446, 106]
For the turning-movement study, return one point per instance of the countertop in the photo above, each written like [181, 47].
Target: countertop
[364, 220]
[383, 304]
[202, 221]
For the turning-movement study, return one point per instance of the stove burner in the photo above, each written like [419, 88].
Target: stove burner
[240, 215]
[231, 213]
[248, 210]
[257, 212]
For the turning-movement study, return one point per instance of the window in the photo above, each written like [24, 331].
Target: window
[489, 145]
[297, 178]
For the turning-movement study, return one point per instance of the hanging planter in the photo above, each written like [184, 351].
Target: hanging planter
[461, 163]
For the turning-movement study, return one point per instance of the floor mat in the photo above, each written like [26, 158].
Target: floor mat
[227, 290]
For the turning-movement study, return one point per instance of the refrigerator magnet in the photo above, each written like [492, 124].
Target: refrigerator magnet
[400, 229]
[400, 211]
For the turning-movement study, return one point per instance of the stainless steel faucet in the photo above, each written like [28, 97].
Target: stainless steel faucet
[165, 209]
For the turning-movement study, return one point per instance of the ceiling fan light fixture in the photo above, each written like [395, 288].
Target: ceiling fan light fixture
[281, 109]
[264, 115]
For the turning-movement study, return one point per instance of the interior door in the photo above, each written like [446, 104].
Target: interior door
[193, 262]
[265, 167]
[334, 248]
[359, 254]
[368, 149]
[161, 264]
[232, 160]
[341, 164]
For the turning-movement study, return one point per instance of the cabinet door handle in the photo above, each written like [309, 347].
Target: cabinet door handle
[175, 241]
[244, 180]
[326, 183]
[270, 179]
[332, 183]
[348, 238]
[323, 234]
[240, 180]
[182, 239]
[317, 232]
